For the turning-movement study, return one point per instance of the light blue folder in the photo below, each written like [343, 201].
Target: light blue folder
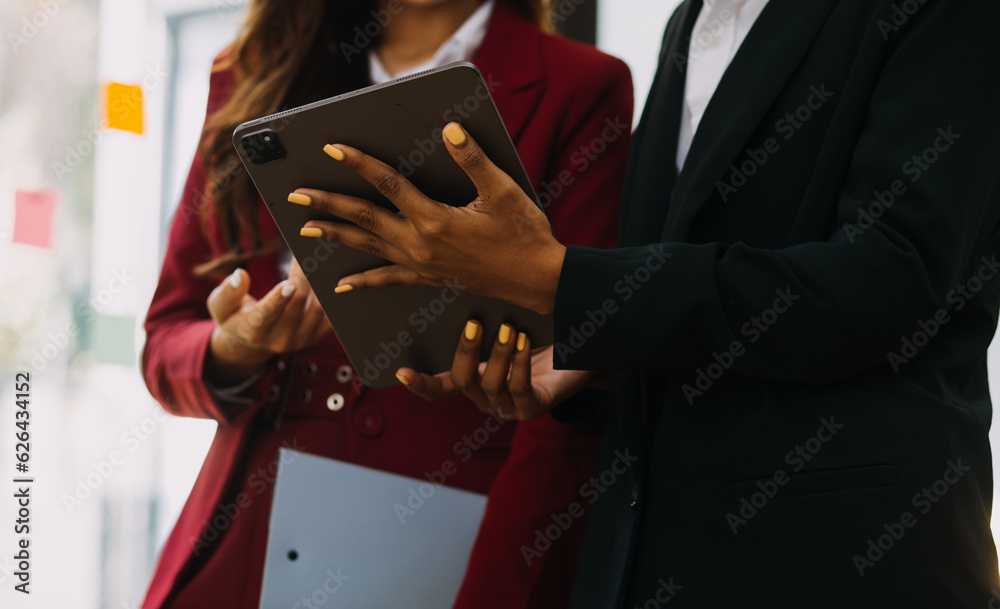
[348, 536]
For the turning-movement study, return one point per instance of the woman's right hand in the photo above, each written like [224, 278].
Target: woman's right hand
[249, 332]
[517, 382]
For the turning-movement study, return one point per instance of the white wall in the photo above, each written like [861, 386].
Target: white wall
[632, 30]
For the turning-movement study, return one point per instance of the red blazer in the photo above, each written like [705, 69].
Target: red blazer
[568, 108]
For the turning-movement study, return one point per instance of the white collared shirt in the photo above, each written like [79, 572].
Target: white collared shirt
[721, 28]
[461, 46]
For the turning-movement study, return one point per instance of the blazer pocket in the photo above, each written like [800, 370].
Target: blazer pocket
[807, 483]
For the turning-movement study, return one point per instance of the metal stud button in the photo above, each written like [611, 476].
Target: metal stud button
[335, 402]
[274, 393]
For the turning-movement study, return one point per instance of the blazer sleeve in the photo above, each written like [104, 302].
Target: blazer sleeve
[590, 169]
[178, 325]
[848, 298]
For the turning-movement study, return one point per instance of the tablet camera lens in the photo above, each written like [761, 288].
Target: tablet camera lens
[263, 147]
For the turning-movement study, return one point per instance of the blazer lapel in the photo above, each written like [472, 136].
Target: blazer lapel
[651, 174]
[511, 63]
[761, 68]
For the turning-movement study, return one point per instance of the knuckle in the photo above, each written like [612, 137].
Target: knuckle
[475, 158]
[240, 330]
[372, 246]
[391, 275]
[366, 219]
[387, 183]
[508, 189]
[461, 381]
[432, 227]
[491, 388]
[422, 255]
[404, 277]
[263, 312]
[519, 391]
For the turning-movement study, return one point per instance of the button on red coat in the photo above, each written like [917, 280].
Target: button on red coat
[369, 421]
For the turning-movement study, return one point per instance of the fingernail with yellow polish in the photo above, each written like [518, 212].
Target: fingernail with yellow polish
[334, 152]
[300, 199]
[454, 134]
[402, 379]
[340, 289]
[471, 330]
[522, 339]
[504, 336]
[309, 231]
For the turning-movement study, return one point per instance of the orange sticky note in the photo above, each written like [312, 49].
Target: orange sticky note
[33, 212]
[124, 107]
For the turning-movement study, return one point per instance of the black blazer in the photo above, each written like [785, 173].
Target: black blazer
[803, 407]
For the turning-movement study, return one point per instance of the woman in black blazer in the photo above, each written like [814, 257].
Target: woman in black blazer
[803, 403]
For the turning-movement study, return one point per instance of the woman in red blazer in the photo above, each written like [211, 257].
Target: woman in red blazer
[568, 109]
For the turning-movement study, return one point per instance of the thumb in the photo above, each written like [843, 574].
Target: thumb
[227, 297]
[488, 178]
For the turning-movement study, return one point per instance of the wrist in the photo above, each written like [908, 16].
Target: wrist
[230, 359]
[544, 282]
[603, 381]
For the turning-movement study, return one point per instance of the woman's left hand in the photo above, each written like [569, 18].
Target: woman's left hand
[516, 382]
[499, 245]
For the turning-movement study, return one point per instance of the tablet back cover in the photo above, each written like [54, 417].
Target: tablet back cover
[399, 123]
[342, 535]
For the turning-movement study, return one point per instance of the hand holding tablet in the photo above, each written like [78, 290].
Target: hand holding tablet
[409, 166]
[432, 242]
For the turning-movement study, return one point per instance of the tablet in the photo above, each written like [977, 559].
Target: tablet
[399, 123]
[347, 536]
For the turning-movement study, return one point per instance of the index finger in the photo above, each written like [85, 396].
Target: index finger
[386, 180]
[227, 297]
[265, 313]
[430, 387]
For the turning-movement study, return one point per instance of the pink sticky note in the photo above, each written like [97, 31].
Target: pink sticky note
[33, 212]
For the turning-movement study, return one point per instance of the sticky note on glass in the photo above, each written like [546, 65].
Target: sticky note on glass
[33, 214]
[124, 107]
[114, 340]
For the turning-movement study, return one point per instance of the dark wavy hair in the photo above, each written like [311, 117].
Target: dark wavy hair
[288, 54]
